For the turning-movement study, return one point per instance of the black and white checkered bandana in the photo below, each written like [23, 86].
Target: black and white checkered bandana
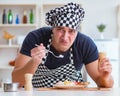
[69, 15]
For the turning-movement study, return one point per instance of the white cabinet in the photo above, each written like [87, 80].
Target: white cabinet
[118, 20]
[45, 8]
[111, 47]
[8, 53]
[18, 29]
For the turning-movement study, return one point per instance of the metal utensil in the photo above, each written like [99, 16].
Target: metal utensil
[59, 56]
[11, 87]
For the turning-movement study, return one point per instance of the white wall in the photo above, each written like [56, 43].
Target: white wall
[97, 11]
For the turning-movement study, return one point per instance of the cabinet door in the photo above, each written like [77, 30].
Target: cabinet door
[19, 9]
[8, 53]
[111, 47]
[118, 20]
[18, 29]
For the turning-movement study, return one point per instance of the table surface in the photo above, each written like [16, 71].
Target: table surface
[36, 92]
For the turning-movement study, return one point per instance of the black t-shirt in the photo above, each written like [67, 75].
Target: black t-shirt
[84, 49]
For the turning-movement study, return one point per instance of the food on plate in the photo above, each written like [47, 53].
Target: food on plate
[66, 82]
[72, 83]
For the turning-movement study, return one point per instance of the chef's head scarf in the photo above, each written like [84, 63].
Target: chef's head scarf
[69, 15]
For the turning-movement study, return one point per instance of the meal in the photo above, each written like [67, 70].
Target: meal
[70, 84]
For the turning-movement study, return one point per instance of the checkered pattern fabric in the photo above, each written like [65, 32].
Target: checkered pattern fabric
[69, 16]
[47, 78]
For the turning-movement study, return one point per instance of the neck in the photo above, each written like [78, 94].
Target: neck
[56, 48]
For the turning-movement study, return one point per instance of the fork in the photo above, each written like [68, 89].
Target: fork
[59, 56]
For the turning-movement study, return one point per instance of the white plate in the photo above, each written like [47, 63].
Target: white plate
[69, 86]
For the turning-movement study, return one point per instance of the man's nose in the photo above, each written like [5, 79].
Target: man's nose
[66, 35]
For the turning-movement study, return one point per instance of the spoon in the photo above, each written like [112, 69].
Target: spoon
[59, 56]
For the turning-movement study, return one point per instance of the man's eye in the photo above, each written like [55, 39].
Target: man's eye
[71, 31]
[60, 30]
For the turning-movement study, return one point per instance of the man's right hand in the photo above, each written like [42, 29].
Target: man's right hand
[38, 53]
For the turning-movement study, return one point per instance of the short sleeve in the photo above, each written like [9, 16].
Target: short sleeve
[28, 44]
[90, 51]
[35, 37]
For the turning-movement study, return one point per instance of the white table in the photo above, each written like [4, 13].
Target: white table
[112, 92]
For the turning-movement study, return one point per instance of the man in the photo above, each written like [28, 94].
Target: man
[57, 53]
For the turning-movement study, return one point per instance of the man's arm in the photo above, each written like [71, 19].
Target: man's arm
[26, 64]
[23, 64]
[101, 74]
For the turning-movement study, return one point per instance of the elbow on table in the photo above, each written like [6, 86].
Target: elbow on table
[17, 78]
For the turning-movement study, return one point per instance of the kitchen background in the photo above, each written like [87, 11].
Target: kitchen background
[97, 12]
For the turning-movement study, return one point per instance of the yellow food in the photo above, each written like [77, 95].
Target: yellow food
[66, 82]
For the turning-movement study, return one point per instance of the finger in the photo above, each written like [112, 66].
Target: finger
[105, 62]
[41, 52]
[41, 44]
[40, 47]
[38, 57]
[105, 65]
[106, 68]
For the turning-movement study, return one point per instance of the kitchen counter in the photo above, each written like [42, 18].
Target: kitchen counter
[55, 92]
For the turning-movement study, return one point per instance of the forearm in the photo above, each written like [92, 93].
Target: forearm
[105, 82]
[18, 73]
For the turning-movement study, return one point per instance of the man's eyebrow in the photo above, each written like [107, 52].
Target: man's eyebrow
[59, 27]
[63, 28]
